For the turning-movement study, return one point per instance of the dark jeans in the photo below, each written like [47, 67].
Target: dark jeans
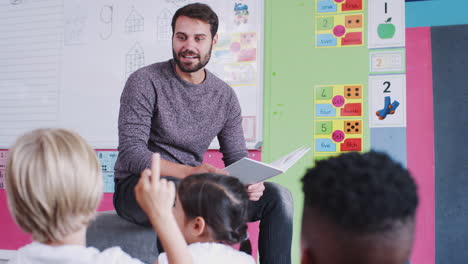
[274, 210]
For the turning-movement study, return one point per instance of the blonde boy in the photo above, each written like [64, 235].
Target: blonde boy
[54, 186]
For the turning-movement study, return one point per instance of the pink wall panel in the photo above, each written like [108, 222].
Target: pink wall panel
[11, 236]
[420, 138]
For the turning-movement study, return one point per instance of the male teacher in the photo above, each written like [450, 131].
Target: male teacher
[176, 108]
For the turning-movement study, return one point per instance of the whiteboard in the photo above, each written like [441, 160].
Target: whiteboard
[65, 63]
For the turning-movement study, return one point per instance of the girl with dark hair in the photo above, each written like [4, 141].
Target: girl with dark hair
[210, 211]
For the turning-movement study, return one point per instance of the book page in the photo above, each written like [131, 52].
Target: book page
[287, 161]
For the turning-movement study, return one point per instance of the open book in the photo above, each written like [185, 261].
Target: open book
[250, 171]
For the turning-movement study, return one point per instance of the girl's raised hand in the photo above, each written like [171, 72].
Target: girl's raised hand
[155, 195]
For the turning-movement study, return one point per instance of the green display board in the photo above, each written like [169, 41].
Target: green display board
[294, 66]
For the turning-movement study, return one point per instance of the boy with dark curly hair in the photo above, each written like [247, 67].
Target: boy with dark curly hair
[358, 209]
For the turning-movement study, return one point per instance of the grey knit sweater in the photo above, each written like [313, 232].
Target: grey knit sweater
[160, 112]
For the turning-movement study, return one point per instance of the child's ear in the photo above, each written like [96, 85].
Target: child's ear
[199, 226]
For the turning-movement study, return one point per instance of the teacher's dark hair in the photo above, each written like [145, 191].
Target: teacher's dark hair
[198, 11]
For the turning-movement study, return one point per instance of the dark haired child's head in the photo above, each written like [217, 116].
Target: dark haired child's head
[358, 208]
[212, 208]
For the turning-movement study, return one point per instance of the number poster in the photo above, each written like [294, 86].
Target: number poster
[338, 119]
[387, 95]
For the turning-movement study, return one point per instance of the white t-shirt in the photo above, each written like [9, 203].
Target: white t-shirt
[213, 253]
[38, 253]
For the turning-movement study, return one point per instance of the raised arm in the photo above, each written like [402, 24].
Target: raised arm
[156, 197]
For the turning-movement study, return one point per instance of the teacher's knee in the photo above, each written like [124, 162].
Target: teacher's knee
[281, 197]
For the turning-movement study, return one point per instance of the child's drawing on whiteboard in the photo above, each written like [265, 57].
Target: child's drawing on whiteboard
[241, 13]
[106, 17]
[75, 20]
[248, 125]
[135, 22]
[245, 46]
[135, 59]
[164, 25]
[239, 73]
[16, 2]
[178, 3]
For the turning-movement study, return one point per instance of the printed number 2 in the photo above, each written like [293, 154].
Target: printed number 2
[387, 90]
[379, 62]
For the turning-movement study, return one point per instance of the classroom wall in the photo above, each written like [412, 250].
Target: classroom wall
[442, 24]
[420, 139]
[450, 59]
[293, 67]
[418, 14]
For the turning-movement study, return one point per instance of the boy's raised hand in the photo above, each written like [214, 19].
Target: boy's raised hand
[155, 195]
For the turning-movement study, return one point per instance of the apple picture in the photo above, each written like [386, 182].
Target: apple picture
[387, 30]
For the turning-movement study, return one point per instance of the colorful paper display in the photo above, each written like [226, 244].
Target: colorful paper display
[107, 159]
[339, 30]
[338, 122]
[339, 6]
[333, 136]
[336, 101]
[387, 95]
[386, 23]
[386, 61]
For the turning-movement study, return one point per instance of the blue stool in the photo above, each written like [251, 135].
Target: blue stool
[110, 230]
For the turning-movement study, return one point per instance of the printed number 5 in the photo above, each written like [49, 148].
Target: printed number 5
[324, 127]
